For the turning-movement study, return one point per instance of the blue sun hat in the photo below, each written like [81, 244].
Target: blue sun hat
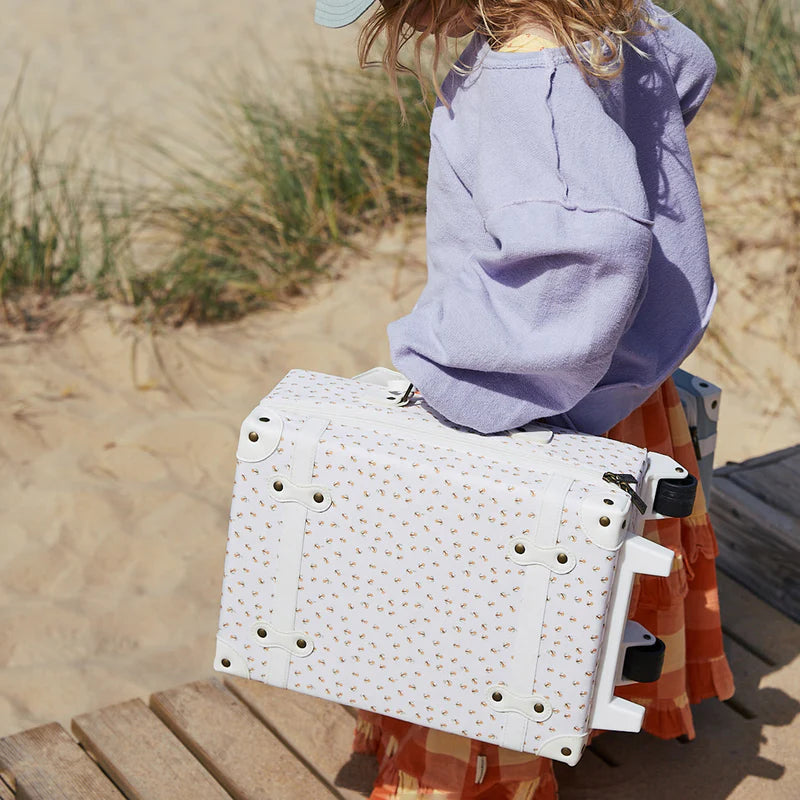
[338, 13]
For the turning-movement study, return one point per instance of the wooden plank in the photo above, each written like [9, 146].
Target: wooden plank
[7, 786]
[744, 748]
[140, 754]
[760, 461]
[727, 761]
[235, 747]
[757, 626]
[773, 706]
[48, 765]
[318, 731]
[729, 757]
[758, 545]
[773, 479]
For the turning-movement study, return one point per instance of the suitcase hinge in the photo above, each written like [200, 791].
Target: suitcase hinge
[624, 482]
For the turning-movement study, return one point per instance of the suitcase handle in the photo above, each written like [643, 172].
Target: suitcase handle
[638, 555]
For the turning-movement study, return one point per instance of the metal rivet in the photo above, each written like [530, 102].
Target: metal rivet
[703, 385]
[605, 521]
[519, 548]
[263, 419]
[262, 633]
[497, 696]
[608, 501]
[253, 437]
[647, 637]
[679, 469]
[624, 523]
[538, 708]
[318, 497]
[278, 486]
[226, 662]
[566, 751]
[713, 404]
[302, 644]
[562, 558]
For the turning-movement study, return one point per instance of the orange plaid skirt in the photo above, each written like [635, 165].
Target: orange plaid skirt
[418, 763]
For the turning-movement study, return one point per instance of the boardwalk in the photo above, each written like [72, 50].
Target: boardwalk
[212, 740]
[216, 739]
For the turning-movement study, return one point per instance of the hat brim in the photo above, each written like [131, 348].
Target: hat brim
[338, 13]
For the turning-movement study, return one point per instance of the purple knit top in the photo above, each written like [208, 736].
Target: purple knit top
[568, 269]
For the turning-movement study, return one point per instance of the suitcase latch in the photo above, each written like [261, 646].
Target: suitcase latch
[399, 393]
[624, 482]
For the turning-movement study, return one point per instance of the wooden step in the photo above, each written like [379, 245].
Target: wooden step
[755, 508]
[320, 733]
[247, 759]
[142, 756]
[46, 764]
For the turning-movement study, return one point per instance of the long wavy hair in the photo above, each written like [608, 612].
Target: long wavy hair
[602, 24]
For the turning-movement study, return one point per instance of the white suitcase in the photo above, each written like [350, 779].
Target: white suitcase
[380, 557]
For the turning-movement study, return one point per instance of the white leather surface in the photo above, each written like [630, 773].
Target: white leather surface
[405, 586]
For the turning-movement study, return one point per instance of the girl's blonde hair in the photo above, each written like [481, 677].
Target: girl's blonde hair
[604, 24]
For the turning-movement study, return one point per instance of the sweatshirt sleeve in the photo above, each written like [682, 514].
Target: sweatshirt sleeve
[539, 240]
[692, 64]
[528, 328]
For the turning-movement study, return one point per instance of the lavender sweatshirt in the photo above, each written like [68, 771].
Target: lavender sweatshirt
[568, 269]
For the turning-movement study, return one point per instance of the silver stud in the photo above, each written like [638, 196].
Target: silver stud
[253, 436]
[605, 521]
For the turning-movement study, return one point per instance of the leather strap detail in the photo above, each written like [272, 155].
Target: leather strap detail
[290, 550]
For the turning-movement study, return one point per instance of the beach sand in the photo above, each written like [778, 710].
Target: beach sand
[117, 440]
[112, 71]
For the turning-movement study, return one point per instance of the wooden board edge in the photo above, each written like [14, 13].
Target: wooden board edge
[231, 686]
[757, 461]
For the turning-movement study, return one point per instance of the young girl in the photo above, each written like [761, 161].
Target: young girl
[568, 276]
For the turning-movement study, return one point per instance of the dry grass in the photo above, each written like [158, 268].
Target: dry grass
[748, 172]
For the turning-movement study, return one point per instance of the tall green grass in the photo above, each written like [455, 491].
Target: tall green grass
[298, 180]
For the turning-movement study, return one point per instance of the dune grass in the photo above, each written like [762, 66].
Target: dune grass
[294, 181]
[755, 42]
[60, 233]
[298, 181]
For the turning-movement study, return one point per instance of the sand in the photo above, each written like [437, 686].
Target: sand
[121, 71]
[116, 465]
[117, 441]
